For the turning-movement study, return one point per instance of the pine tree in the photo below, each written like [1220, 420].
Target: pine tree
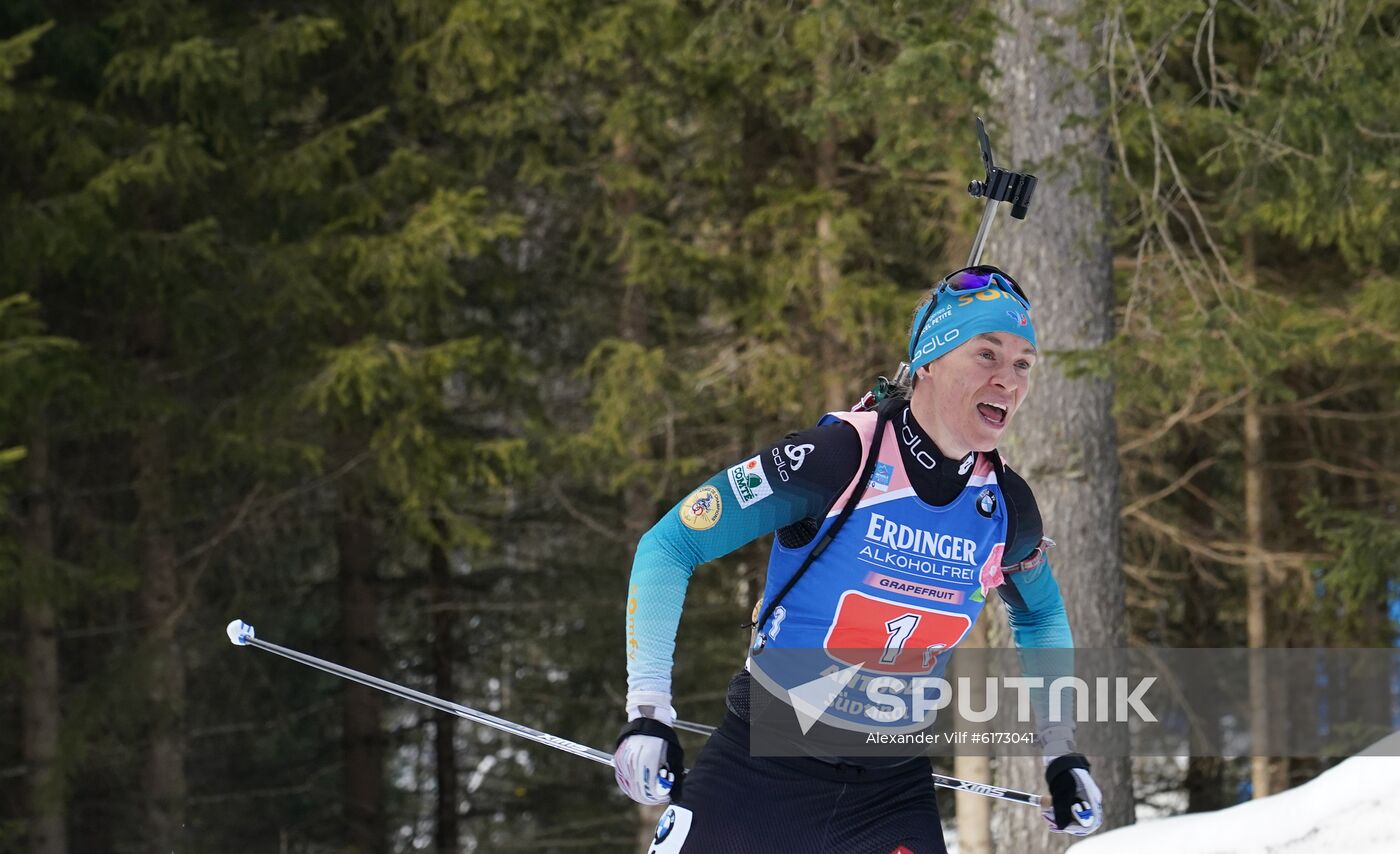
[262, 276]
[1258, 323]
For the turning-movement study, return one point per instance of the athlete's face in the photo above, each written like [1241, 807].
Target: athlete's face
[967, 398]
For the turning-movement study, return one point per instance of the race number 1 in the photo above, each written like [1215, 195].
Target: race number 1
[891, 637]
[900, 628]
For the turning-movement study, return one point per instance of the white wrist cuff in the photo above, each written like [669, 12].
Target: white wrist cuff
[650, 704]
[1056, 741]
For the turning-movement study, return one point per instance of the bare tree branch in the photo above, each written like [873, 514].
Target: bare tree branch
[1335, 414]
[1184, 416]
[1378, 474]
[1170, 488]
[1226, 551]
[584, 519]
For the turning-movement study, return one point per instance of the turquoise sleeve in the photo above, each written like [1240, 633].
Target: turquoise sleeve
[669, 553]
[1045, 645]
[1038, 620]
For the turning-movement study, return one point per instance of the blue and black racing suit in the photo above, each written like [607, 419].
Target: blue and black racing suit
[907, 574]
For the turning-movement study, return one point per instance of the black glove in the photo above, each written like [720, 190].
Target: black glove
[1075, 797]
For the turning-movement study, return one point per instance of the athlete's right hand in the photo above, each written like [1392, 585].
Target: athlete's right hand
[648, 761]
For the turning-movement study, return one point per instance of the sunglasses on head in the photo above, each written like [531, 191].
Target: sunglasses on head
[971, 280]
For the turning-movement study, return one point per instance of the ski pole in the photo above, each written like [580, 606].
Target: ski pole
[702, 729]
[1041, 801]
[1030, 798]
[242, 634]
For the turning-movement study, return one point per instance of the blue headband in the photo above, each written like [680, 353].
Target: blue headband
[959, 317]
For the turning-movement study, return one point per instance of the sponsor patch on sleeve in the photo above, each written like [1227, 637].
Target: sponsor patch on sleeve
[749, 483]
[701, 509]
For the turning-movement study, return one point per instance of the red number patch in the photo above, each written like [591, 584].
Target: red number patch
[891, 637]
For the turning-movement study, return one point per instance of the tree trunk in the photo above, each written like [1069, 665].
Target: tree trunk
[163, 782]
[39, 703]
[974, 812]
[1064, 441]
[1268, 775]
[445, 725]
[1205, 774]
[363, 709]
[1256, 595]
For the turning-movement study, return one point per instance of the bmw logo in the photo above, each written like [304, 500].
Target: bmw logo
[987, 503]
[665, 825]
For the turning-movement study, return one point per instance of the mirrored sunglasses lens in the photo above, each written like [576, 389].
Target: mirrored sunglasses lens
[968, 280]
[1016, 289]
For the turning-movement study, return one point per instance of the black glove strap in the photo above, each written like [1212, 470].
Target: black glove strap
[1064, 763]
[675, 754]
[1064, 789]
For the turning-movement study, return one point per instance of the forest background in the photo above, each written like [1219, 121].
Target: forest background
[390, 326]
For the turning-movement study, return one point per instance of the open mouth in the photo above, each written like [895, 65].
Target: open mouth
[992, 413]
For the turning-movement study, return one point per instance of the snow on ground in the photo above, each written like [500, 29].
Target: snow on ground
[1353, 808]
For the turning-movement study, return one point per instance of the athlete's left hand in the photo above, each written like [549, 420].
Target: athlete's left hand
[1075, 797]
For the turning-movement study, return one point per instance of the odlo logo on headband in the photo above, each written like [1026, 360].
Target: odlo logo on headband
[935, 342]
